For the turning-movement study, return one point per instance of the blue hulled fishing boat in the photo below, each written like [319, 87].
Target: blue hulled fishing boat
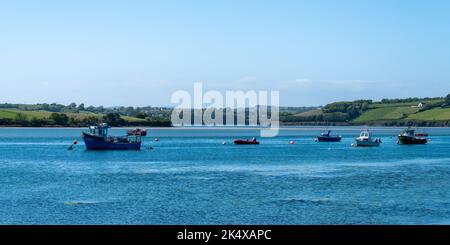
[97, 138]
[327, 137]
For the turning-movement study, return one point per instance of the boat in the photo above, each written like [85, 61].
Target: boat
[421, 135]
[327, 137]
[97, 138]
[137, 131]
[408, 137]
[365, 139]
[246, 142]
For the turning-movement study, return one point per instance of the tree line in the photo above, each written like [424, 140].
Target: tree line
[62, 120]
[339, 113]
[139, 112]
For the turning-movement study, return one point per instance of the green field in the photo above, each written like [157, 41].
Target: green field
[404, 104]
[382, 105]
[7, 114]
[12, 114]
[132, 119]
[309, 113]
[436, 114]
[386, 113]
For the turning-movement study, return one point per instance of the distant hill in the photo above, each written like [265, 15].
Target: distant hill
[78, 116]
[387, 112]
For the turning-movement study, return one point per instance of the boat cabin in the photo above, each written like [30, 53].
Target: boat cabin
[364, 135]
[327, 133]
[408, 132]
[100, 130]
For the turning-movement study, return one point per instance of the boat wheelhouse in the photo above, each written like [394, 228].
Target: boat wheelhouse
[97, 138]
[365, 139]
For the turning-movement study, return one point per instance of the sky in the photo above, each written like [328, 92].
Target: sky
[137, 53]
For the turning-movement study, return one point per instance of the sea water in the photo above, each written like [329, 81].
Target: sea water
[190, 177]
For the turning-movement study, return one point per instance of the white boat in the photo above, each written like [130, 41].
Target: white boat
[365, 139]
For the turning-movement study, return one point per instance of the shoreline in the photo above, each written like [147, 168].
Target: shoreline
[284, 128]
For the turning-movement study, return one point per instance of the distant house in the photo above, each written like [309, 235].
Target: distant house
[420, 105]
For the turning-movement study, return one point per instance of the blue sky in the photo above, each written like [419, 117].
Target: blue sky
[139, 52]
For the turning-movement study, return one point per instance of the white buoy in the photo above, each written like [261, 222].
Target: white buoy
[224, 143]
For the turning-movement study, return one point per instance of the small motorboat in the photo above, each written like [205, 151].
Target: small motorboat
[137, 131]
[246, 142]
[97, 138]
[365, 139]
[408, 137]
[327, 137]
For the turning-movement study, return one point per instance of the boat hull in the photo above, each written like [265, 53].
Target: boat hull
[98, 143]
[328, 139]
[245, 142]
[406, 140]
[367, 143]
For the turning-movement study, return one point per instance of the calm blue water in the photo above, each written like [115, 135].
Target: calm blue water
[189, 177]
